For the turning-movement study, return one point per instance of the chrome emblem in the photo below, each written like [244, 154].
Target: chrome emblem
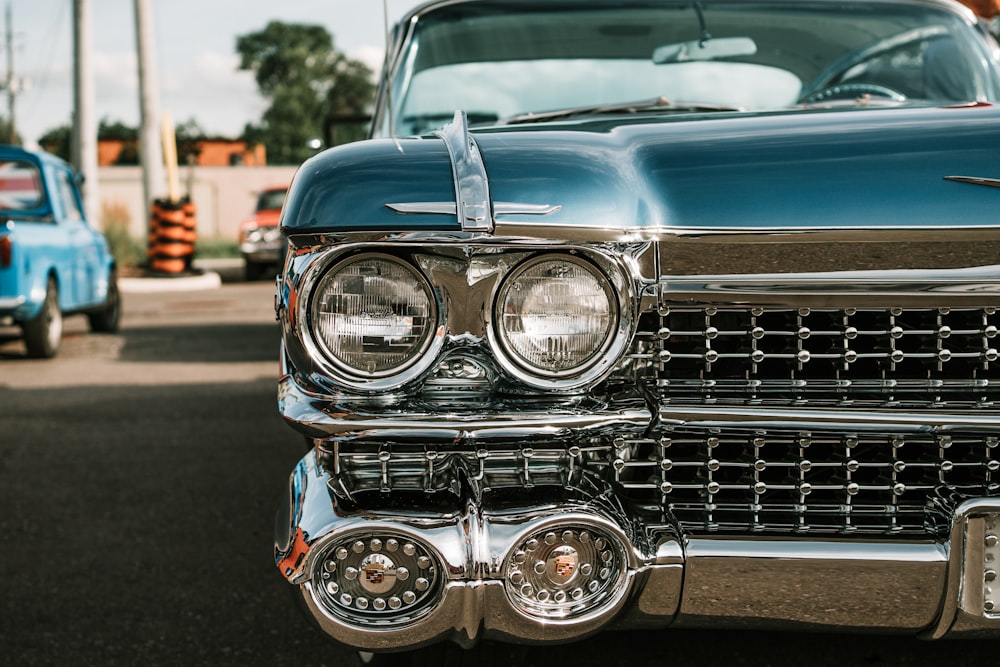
[562, 564]
[378, 574]
[375, 573]
[565, 565]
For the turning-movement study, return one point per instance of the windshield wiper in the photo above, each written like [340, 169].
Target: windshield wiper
[654, 105]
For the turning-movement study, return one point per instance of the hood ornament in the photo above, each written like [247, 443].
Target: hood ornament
[472, 191]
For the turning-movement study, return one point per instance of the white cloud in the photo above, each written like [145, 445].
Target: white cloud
[369, 55]
[211, 90]
[116, 86]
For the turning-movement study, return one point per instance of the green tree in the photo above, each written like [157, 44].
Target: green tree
[310, 86]
[58, 141]
[8, 135]
[188, 136]
[126, 134]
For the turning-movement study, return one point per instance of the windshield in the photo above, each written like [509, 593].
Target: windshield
[20, 186]
[496, 63]
[271, 199]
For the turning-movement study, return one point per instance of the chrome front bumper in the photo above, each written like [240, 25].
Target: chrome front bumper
[927, 588]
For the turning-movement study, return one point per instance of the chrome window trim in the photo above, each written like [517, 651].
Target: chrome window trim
[312, 277]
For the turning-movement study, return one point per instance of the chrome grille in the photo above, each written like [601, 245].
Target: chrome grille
[397, 467]
[788, 481]
[865, 357]
[727, 480]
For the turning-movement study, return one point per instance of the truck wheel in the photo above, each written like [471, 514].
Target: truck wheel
[108, 318]
[43, 333]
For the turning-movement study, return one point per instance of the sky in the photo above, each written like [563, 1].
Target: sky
[195, 44]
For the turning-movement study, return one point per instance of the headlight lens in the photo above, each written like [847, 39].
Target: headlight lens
[373, 315]
[556, 315]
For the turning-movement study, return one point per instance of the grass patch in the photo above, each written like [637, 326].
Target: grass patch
[131, 252]
[216, 249]
[115, 221]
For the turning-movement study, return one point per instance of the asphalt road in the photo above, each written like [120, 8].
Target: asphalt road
[139, 474]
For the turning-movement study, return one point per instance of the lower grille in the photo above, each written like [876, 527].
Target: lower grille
[734, 480]
[405, 468]
[718, 481]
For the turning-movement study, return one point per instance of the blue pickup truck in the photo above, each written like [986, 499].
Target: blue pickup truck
[52, 261]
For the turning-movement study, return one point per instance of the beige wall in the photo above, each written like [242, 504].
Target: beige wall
[224, 195]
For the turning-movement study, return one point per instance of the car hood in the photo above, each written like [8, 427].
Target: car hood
[810, 169]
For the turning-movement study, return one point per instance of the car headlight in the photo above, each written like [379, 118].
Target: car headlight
[373, 316]
[556, 315]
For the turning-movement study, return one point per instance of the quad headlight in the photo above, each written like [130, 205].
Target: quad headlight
[556, 316]
[373, 316]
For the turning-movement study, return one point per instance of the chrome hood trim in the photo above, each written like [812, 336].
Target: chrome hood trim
[472, 189]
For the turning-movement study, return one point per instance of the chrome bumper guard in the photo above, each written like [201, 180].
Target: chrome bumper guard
[393, 580]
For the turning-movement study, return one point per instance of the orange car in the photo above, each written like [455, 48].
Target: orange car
[260, 240]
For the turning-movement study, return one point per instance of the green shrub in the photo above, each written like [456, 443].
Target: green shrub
[115, 222]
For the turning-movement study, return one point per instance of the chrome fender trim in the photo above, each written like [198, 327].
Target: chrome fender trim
[964, 613]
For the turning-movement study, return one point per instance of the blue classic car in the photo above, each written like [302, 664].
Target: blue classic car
[651, 313]
[52, 262]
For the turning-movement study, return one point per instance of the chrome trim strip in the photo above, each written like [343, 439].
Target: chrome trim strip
[772, 233]
[318, 416]
[512, 208]
[554, 231]
[839, 418]
[975, 180]
[417, 208]
[450, 208]
[795, 549]
[472, 192]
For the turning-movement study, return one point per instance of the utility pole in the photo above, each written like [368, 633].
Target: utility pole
[150, 145]
[84, 149]
[11, 81]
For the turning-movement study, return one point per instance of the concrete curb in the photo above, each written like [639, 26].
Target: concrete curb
[205, 281]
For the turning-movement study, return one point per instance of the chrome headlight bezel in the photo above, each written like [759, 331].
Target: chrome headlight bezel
[595, 365]
[314, 280]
